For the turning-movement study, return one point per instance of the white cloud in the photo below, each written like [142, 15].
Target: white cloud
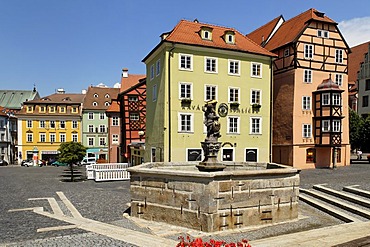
[355, 31]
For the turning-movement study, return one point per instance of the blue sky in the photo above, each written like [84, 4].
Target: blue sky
[72, 44]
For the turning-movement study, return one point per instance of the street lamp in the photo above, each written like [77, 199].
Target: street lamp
[141, 134]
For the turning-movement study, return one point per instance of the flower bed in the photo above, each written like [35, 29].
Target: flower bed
[198, 242]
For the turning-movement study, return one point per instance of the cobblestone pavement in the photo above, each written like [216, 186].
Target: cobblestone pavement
[106, 202]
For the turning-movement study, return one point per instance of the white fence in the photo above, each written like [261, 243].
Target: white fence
[108, 172]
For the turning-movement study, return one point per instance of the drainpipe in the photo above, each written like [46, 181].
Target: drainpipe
[169, 102]
[271, 108]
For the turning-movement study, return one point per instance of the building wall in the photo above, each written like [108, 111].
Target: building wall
[180, 141]
[114, 150]
[363, 90]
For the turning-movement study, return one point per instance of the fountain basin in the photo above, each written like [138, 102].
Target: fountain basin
[243, 194]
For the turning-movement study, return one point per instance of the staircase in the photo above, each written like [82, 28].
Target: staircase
[350, 205]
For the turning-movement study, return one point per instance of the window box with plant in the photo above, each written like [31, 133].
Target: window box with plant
[234, 104]
[256, 106]
[186, 100]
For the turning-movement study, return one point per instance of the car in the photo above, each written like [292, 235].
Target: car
[29, 163]
[58, 163]
[88, 161]
[3, 163]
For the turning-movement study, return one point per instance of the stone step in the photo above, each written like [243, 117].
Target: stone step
[328, 209]
[357, 191]
[351, 198]
[338, 203]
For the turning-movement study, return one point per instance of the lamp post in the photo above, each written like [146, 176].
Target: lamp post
[141, 134]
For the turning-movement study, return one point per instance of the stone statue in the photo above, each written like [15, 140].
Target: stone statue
[211, 121]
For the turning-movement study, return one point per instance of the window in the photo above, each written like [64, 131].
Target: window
[62, 137]
[339, 79]
[102, 128]
[102, 141]
[152, 154]
[29, 123]
[230, 38]
[29, 109]
[210, 65]
[42, 108]
[227, 154]
[206, 34]
[210, 92]
[255, 96]
[52, 137]
[233, 95]
[154, 96]
[42, 124]
[307, 76]
[233, 125]
[365, 101]
[133, 98]
[186, 62]
[256, 70]
[102, 115]
[74, 109]
[325, 97]
[91, 128]
[339, 56]
[115, 121]
[158, 67]
[51, 109]
[152, 72]
[310, 155]
[29, 137]
[42, 137]
[106, 103]
[336, 99]
[255, 125]
[115, 139]
[107, 96]
[336, 125]
[90, 115]
[251, 154]
[194, 154]
[75, 137]
[96, 95]
[322, 33]
[62, 124]
[134, 116]
[286, 52]
[74, 124]
[90, 141]
[95, 103]
[62, 109]
[367, 85]
[234, 67]
[52, 124]
[308, 51]
[185, 90]
[306, 130]
[185, 122]
[325, 125]
[306, 103]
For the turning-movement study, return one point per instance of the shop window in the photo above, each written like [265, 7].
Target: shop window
[311, 155]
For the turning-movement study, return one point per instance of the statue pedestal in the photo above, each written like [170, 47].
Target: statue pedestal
[210, 162]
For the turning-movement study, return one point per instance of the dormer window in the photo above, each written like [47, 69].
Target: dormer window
[230, 37]
[323, 33]
[96, 95]
[95, 103]
[206, 33]
[107, 96]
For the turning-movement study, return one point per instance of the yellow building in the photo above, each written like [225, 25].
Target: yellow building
[45, 123]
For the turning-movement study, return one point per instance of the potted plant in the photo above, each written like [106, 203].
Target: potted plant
[256, 106]
[186, 100]
[234, 104]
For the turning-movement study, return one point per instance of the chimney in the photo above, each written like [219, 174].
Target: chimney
[83, 91]
[124, 73]
[60, 91]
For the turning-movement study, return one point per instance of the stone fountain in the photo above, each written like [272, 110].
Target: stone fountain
[214, 196]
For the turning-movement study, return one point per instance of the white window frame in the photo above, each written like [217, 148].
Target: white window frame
[325, 99]
[52, 137]
[339, 56]
[306, 130]
[307, 76]
[179, 119]
[213, 63]
[133, 98]
[74, 124]
[29, 124]
[102, 141]
[75, 137]
[325, 125]
[322, 33]
[134, 116]
[62, 122]
[306, 103]
[158, 67]
[62, 136]
[232, 92]
[91, 127]
[336, 99]
[232, 70]
[42, 124]
[29, 137]
[90, 116]
[151, 72]
[102, 115]
[90, 141]
[115, 138]
[308, 51]
[230, 128]
[254, 98]
[185, 85]
[339, 79]
[205, 92]
[52, 124]
[188, 65]
[42, 137]
[228, 148]
[102, 127]
[251, 130]
[154, 92]
[115, 121]
[256, 70]
[336, 125]
[230, 38]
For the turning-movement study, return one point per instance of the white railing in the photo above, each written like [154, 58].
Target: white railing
[108, 172]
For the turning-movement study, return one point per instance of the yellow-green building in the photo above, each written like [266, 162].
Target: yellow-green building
[45, 123]
[198, 62]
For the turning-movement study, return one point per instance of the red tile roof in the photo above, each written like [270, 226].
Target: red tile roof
[263, 33]
[188, 32]
[59, 98]
[355, 59]
[114, 107]
[131, 80]
[291, 29]
[99, 95]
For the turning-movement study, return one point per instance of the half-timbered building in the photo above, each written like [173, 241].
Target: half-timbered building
[310, 49]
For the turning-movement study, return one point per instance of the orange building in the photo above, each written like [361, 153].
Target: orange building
[310, 49]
